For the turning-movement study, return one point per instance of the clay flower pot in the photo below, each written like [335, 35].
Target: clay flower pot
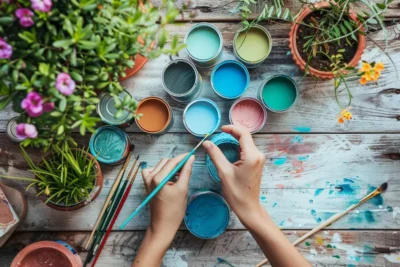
[295, 52]
[47, 253]
[95, 192]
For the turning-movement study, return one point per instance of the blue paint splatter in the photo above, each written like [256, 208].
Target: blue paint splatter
[297, 139]
[311, 201]
[288, 53]
[389, 208]
[378, 200]
[303, 158]
[279, 161]
[143, 165]
[345, 189]
[302, 129]
[348, 180]
[330, 192]
[281, 223]
[274, 205]
[319, 220]
[369, 216]
[355, 220]
[318, 191]
[313, 212]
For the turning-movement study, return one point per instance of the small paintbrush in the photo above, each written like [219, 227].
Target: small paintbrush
[382, 188]
[163, 182]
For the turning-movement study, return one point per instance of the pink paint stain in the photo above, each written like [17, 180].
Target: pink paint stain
[280, 186]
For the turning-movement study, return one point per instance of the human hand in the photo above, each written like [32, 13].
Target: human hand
[240, 182]
[168, 207]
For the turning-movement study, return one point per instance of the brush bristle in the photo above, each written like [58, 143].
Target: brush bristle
[383, 187]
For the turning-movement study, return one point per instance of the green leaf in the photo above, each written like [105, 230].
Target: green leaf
[6, 20]
[56, 114]
[372, 21]
[6, 100]
[3, 70]
[348, 25]
[63, 104]
[60, 130]
[44, 69]
[76, 76]
[88, 45]
[63, 43]
[162, 37]
[381, 6]
[28, 36]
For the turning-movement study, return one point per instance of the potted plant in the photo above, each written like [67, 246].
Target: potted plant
[67, 180]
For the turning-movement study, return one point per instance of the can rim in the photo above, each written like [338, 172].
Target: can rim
[201, 100]
[170, 114]
[272, 77]
[230, 62]
[218, 196]
[221, 41]
[252, 99]
[269, 47]
[10, 134]
[100, 113]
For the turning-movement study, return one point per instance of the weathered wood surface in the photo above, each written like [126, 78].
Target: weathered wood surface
[299, 186]
[327, 248]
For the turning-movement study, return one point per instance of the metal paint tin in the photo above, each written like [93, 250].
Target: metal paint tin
[287, 88]
[181, 80]
[156, 115]
[110, 145]
[106, 110]
[248, 112]
[11, 130]
[230, 79]
[207, 214]
[264, 50]
[204, 44]
[201, 116]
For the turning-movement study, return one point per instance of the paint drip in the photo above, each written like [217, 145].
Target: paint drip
[249, 113]
[156, 115]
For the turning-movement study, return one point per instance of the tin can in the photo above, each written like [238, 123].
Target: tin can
[181, 80]
[155, 115]
[207, 214]
[248, 112]
[201, 116]
[279, 93]
[204, 44]
[106, 110]
[12, 131]
[253, 46]
[110, 145]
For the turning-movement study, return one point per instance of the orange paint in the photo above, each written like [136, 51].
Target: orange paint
[156, 113]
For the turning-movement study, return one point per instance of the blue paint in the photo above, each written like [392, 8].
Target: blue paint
[311, 201]
[201, 117]
[263, 198]
[203, 42]
[303, 158]
[207, 215]
[230, 79]
[348, 180]
[331, 192]
[297, 139]
[143, 165]
[377, 200]
[369, 216]
[389, 209]
[319, 220]
[318, 191]
[302, 129]
[279, 161]
[313, 212]
[355, 219]
[274, 205]
[281, 223]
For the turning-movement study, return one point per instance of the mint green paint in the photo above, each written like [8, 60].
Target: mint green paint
[203, 43]
[279, 93]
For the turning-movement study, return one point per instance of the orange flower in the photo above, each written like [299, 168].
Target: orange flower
[363, 80]
[340, 120]
[345, 115]
[369, 73]
[365, 67]
[379, 66]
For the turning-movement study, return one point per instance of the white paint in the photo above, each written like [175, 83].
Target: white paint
[313, 251]
[396, 210]
[395, 258]
[337, 238]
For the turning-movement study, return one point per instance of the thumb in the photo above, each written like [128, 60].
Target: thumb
[217, 157]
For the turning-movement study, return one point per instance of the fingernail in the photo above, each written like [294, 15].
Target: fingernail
[143, 165]
[192, 158]
[207, 144]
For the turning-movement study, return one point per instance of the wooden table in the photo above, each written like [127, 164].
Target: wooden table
[299, 191]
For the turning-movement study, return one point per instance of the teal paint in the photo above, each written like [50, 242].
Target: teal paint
[274, 205]
[230, 79]
[143, 165]
[311, 201]
[302, 129]
[107, 110]
[263, 198]
[297, 139]
[201, 117]
[279, 161]
[318, 191]
[369, 216]
[313, 212]
[303, 158]
[389, 209]
[207, 215]
[377, 200]
[279, 93]
[348, 180]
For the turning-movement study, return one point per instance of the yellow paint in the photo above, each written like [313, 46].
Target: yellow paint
[319, 240]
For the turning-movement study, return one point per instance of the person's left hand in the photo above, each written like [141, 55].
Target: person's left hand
[168, 207]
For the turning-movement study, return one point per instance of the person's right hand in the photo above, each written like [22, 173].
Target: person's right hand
[240, 181]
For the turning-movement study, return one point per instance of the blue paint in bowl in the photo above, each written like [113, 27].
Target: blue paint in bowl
[201, 117]
[207, 215]
[230, 79]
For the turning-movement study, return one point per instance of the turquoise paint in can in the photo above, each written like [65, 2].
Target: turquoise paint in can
[230, 79]
[204, 44]
[106, 110]
[109, 145]
[229, 147]
[207, 215]
[201, 117]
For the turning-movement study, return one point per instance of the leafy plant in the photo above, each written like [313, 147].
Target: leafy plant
[66, 52]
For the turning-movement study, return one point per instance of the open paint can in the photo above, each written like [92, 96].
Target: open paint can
[249, 113]
[201, 117]
[156, 115]
[12, 130]
[181, 80]
[207, 215]
[204, 44]
[279, 93]
[229, 147]
[230, 79]
[110, 145]
[252, 46]
[107, 110]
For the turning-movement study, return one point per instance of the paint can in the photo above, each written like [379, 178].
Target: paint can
[230, 79]
[279, 93]
[204, 44]
[201, 117]
[106, 110]
[207, 214]
[248, 112]
[181, 80]
[12, 130]
[229, 147]
[253, 46]
[110, 145]
[156, 115]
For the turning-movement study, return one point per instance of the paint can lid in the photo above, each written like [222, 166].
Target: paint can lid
[107, 110]
[12, 131]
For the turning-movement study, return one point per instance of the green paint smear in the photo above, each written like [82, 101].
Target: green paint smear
[329, 246]
[308, 244]
[203, 43]
[253, 45]
[279, 93]
[336, 256]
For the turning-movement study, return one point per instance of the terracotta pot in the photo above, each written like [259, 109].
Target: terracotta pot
[95, 192]
[296, 54]
[46, 254]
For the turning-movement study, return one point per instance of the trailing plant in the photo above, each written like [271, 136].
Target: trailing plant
[56, 56]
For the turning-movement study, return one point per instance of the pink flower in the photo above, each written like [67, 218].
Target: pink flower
[33, 104]
[25, 17]
[5, 49]
[48, 106]
[26, 130]
[65, 84]
[42, 5]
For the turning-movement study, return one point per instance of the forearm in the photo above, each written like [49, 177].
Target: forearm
[276, 247]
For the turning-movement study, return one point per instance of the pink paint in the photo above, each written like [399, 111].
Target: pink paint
[249, 113]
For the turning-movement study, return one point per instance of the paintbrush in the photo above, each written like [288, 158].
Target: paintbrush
[382, 188]
[163, 182]
[110, 195]
[121, 204]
